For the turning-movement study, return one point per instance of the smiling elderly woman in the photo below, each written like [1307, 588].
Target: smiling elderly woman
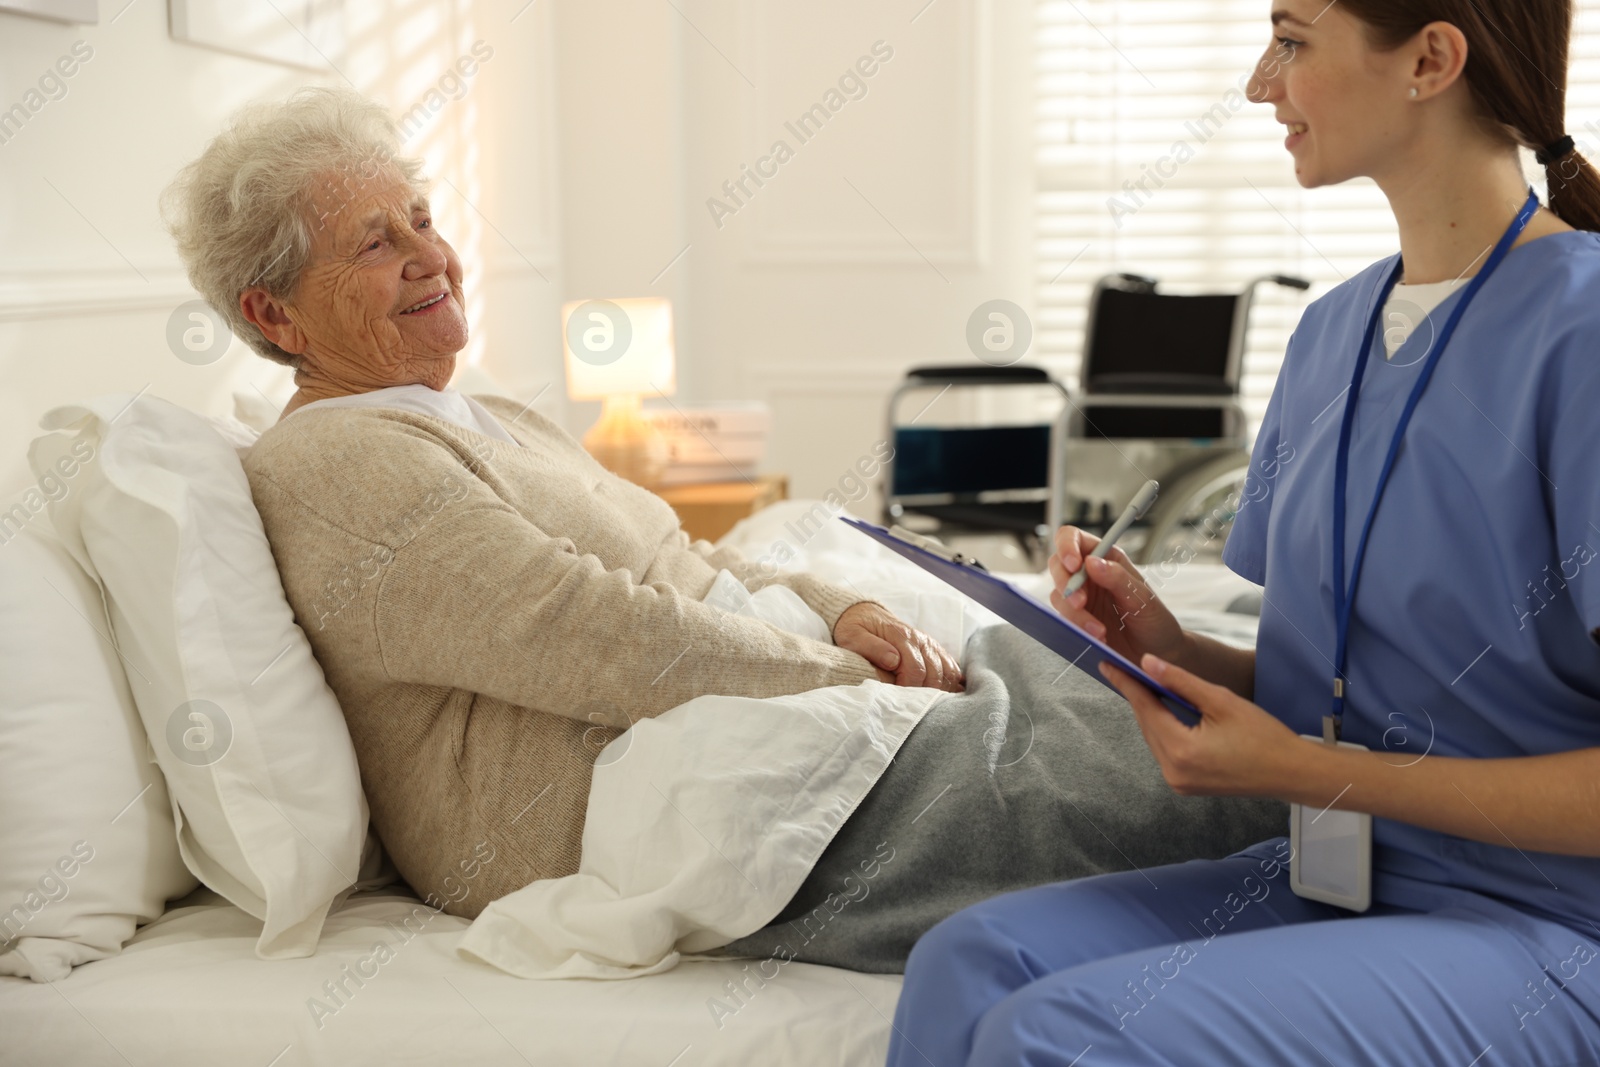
[489, 604]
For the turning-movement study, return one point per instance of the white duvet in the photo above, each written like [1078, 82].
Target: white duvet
[703, 822]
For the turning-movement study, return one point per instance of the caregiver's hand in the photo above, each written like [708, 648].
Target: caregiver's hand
[1237, 750]
[1114, 604]
[902, 654]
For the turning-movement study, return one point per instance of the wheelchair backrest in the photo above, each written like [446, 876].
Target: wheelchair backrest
[1142, 341]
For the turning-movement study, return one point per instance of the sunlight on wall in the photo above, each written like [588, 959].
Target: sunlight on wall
[470, 157]
[409, 58]
[401, 53]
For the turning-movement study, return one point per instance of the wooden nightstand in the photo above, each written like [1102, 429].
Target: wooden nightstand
[711, 509]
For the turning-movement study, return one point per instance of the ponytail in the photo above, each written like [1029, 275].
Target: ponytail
[1573, 183]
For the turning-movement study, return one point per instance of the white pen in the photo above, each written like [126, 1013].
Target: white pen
[1131, 514]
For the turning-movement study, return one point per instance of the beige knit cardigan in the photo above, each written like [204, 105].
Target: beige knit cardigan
[491, 616]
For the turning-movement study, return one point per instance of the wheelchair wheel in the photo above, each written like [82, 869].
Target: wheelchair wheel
[1193, 518]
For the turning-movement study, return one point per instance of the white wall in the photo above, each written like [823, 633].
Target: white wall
[88, 276]
[813, 295]
[587, 148]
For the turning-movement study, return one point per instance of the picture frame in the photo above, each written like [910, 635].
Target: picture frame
[299, 33]
[86, 11]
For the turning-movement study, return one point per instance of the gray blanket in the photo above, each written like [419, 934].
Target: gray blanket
[1037, 773]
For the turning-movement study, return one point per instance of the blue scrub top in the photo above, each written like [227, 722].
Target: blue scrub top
[1473, 632]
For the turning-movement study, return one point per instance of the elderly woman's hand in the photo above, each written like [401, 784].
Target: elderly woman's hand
[902, 654]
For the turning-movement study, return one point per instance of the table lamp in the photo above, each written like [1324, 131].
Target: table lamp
[618, 351]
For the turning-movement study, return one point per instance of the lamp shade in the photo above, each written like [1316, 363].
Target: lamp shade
[619, 347]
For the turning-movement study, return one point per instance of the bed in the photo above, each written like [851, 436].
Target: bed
[387, 984]
[188, 991]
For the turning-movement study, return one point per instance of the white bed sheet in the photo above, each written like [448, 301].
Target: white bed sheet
[188, 991]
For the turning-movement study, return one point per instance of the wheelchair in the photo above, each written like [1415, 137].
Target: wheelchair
[1012, 451]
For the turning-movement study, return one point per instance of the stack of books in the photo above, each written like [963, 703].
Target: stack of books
[715, 443]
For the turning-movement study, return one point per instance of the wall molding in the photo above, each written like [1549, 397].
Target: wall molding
[48, 292]
[58, 292]
[543, 246]
[964, 244]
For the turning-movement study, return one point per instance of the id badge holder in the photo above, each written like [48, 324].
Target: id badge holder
[1331, 851]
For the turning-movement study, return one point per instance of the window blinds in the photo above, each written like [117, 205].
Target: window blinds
[1150, 93]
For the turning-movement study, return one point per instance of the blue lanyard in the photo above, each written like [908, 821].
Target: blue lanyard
[1343, 595]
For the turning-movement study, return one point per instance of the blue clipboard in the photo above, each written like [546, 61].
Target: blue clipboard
[1033, 617]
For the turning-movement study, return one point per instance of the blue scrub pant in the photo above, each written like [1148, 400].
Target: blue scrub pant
[1218, 962]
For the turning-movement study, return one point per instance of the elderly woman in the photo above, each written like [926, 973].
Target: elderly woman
[492, 607]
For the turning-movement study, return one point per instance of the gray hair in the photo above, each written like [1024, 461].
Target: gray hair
[242, 213]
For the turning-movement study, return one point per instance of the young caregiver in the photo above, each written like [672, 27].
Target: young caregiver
[1424, 516]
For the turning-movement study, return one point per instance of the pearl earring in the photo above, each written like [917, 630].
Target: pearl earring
[1413, 92]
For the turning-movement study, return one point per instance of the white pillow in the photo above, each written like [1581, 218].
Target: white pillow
[255, 751]
[255, 411]
[87, 849]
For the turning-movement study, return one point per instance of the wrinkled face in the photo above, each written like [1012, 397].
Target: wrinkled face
[1344, 103]
[379, 303]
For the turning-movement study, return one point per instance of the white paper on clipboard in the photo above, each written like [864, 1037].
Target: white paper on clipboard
[1033, 617]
